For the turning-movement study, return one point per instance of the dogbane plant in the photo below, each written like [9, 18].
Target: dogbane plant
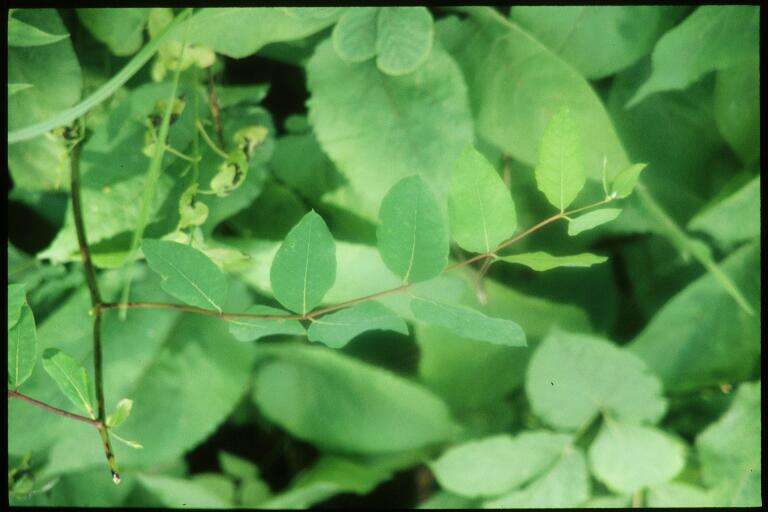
[152, 168]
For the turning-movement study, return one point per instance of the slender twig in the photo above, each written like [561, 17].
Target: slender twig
[199, 311]
[93, 287]
[181, 155]
[215, 110]
[208, 141]
[490, 255]
[54, 410]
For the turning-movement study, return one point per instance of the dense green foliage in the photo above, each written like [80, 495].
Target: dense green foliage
[438, 258]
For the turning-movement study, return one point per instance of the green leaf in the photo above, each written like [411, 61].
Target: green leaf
[230, 95]
[468, 323]
[413, 236]
[22, 345]
[465, 372]
[723, 35]
[596, 40]
[729, 450]
[565, 485]
[338, 403]
[122, 411]
[591, 220]
[354, 36]
[338, 329]
[626, 181]
[403, 39]
[573, 377]
[516, 84]
[737, 108]
[240, 32]
[24, 35]
[132, 444]
[16, 300]
[678, 494]
[701, 337]
[560, 169]
[304, 267]
[251, 329]
[181, 493]
[237, 467]
[495, 465]
[71, 378]
[480, 209]
[541, 261]
[628, 458]
[733, 219]
[13, 88]
[379, 129]
[188, 274]
[121, 30]
[333, 475]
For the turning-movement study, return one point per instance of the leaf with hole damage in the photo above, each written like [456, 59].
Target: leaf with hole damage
[468, 323]
[188, 274]
[413, 236]
[71, 378]
[339, 328]
[304, 268]
[250, 329]
[480, 208]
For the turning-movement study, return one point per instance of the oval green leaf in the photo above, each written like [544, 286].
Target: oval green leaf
[468, 323]
[560, 170]
[71, 378]
[188, 274]
[338, 329]
[412, 237]
[480, 208]
[304, 268]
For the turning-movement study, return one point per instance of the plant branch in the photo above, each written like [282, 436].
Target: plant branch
[322, 311]
[54, 410]
[208, 141]
[215, 110]
[90, 276]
